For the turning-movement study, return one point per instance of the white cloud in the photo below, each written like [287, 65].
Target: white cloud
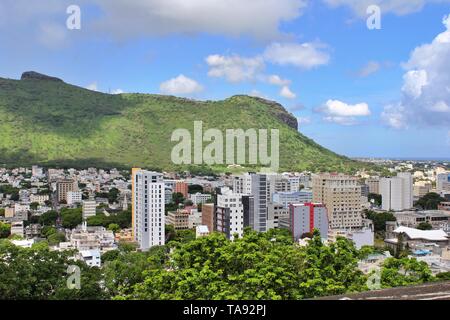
[234, 68]
[342, 109]
[398, 7]
[394, 116]
[343, 113]
[278, 81]
[257, 18]
[413, 82]
[180, 85]
[93, 86]
[370, 68]
[425, 92]
[304, 55]
[285, 92]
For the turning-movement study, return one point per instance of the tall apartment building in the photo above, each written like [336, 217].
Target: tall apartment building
[275, 212]
[181, 187]
[89, 208]
[261, 197]
[208, 216]
[374, 184]
[397, 192]
[243, 184]
[231, 203]
[148, 217]
[341, 195]
[443, 182]
[304, 218]
[63, 186]
[74, 197]
[179, 219]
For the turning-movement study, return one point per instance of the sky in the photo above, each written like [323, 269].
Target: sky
[359, 91]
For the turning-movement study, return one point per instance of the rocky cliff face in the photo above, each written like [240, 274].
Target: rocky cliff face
[281, 113]
[31, 75]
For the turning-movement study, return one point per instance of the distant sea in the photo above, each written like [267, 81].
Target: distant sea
[438, 159]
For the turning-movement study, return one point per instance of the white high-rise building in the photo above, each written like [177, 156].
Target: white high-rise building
[397, 192]
[148, 208]
[73, 197]
[232, 203]
[443, 182]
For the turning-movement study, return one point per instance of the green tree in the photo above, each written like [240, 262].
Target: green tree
[56, 238]
[379, 219]
[404, 272]
[5, 230]
[34, 205]
[114, 227]
[430, 201]
[425, 226]
[71, 217]
[48, 218]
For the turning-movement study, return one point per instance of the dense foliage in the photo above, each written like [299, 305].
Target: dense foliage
[258, 266]
[53, 123]
[430, 201]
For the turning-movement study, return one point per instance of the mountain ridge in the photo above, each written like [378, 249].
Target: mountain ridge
[47, 121]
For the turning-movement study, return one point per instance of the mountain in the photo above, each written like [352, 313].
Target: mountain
[46, 121]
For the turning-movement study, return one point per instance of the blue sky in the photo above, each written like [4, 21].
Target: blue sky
[358, 92]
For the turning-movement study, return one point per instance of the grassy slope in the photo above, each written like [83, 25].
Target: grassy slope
[58, 124]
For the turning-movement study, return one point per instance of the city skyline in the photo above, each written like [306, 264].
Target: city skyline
[375, 85]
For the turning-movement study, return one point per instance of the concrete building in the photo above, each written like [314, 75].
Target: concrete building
[181, 187]
[17, 228]
[39, 198]
[201, 231]
[445, 206]
[179, 219]
[275, 212]
[438, 219]
[89, 208]
[63, 186]
[208, 216]
[286, 198]
[397, 192]
[232, 203]
[73, 197]
[363, 236]
[421, 188]
[200, 198]
[374, 184]
[416, 238]
[443, 182]
[304, 218]
[148, 206]
[341, 195]
[91, 257]
[260, 185]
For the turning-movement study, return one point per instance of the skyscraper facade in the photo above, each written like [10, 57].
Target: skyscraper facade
[148, 208]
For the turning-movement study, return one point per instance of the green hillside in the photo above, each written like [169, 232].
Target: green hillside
[46, 121]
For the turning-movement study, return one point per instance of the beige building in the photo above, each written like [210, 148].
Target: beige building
[64, 186]
[178, 219]
[421, 188]
[341, 195]
[374, 184]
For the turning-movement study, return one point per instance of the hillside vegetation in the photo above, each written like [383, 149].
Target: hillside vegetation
[46, 121]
